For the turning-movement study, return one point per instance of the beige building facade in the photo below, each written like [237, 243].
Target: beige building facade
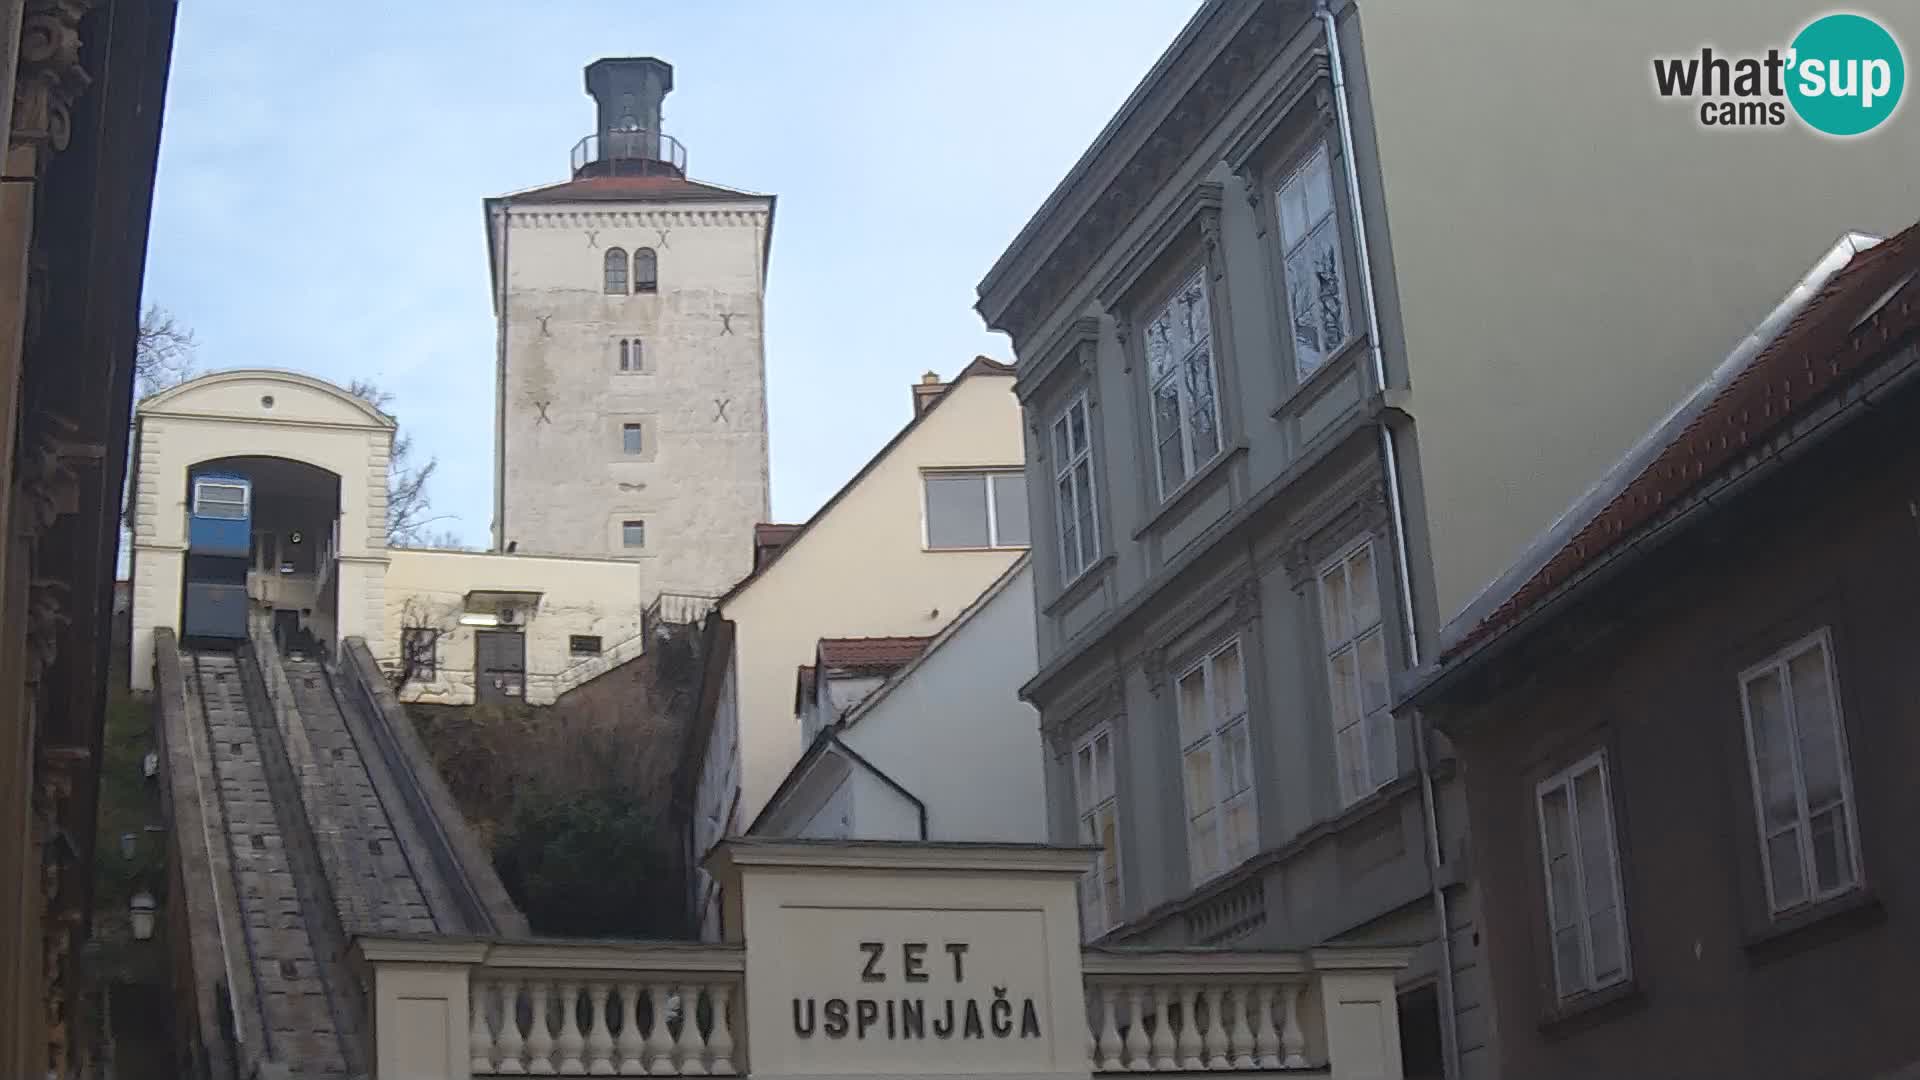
[632, 416]
[864, 565]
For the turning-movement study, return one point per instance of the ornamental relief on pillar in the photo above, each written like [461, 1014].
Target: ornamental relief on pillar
[50, 78]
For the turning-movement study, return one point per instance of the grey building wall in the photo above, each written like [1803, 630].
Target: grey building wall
[1235, 552]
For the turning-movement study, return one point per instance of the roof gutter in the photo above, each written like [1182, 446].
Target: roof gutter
[1798, 440]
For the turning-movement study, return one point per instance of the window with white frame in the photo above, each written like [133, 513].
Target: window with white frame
[630, 354]
[1180, 376]
[1802, 783]
[1580, 856]
[1356, 646]
[1073, 489]
[976, 509]
[1097, 802]
[1315, 281]
[1216, 762]
[220, 499]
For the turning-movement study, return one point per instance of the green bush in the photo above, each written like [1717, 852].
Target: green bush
[588, 863]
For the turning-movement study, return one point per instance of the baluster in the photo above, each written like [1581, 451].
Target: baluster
[1109, 1058]
[692, 1050]
[659, 1043]
[1190, 1029]
[1093, 1048]
[509, 1043]
[1162, 1031]
[1293, 1041]
[1266, 1041]
[1137, 1031]
[479, 1035]
[721, 1040]
[539, 1037]
[600, 1040]
[1216, 1027]
[571, 1042]
[1240, 1036]
[632, 1043]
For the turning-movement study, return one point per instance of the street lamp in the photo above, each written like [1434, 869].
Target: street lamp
[140, 912]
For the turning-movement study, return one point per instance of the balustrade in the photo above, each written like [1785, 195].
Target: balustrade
[609, 1026]
[1194, 1011]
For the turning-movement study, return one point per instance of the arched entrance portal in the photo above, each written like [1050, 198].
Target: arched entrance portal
[292, 569]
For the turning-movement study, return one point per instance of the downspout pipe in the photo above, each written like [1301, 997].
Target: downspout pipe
[1396, 506]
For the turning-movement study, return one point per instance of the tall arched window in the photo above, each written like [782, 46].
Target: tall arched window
[646, 270]
[615, 272]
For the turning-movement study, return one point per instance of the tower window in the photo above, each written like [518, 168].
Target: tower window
[646, 271]
[633, 534]
[630, 438]
[629, 349]
[614, 270]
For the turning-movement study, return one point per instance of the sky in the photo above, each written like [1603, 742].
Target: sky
[322, 168]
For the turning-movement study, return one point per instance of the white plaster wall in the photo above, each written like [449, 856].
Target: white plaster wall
[428, 588]
[701, 483]
[227, 414]
[955, 733]
[862, 570]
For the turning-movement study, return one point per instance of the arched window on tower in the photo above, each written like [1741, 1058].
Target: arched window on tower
[614, 270]
[646, 270]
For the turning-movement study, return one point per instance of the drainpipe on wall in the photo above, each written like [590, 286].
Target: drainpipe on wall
[1450, 1029]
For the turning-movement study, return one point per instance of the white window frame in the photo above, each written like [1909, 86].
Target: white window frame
[993, 515]
[1565, 987]
[246, 496]
[1341, 637]
[1066, 474]
[1289, 246]
[1777, 664]
[1191, 462]
[629, 355]
[1089, 807]
[1214, 741]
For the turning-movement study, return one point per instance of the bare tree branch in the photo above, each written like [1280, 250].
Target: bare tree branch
[407, 501]
[163, 352]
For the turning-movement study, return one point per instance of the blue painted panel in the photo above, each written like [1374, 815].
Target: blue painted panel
[218, 536]
[215, 611]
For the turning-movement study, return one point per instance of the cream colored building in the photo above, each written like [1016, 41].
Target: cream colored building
[878, 559]
[632, 417]
[321, 565]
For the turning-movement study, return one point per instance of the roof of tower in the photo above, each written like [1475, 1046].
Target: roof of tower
[654, 188]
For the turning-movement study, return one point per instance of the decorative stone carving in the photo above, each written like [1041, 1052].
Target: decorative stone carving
[1154, 665]
[50, 78]
[1210, 243]
[1246, 601]
[1298, 562]
[1251, 187]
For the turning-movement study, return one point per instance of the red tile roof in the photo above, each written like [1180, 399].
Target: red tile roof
[597, 188]
[1823, 347]
[873, 655]
[767, 534]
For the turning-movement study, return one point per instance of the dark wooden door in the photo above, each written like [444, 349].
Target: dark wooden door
[499, 665]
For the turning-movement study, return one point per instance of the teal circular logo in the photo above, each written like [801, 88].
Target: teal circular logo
[1846, 74]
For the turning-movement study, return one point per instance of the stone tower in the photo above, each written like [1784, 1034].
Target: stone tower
[631, 394]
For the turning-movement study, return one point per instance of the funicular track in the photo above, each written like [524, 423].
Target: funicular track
[293, 938]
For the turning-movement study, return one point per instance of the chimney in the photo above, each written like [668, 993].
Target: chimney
[627, 92]
[926, 392]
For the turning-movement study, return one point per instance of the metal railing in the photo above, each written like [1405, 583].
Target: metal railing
[629, 153]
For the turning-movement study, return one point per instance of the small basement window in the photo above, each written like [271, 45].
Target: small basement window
[584, 644]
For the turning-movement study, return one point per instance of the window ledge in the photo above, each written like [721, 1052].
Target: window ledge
[1172, 504]
[1573, 1015]
[989, 547]
[1082, 584]
[1343, 360]
[1815, 925]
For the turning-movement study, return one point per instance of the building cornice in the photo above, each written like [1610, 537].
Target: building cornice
[898, 856]
[1217, 58]
[562, 216]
